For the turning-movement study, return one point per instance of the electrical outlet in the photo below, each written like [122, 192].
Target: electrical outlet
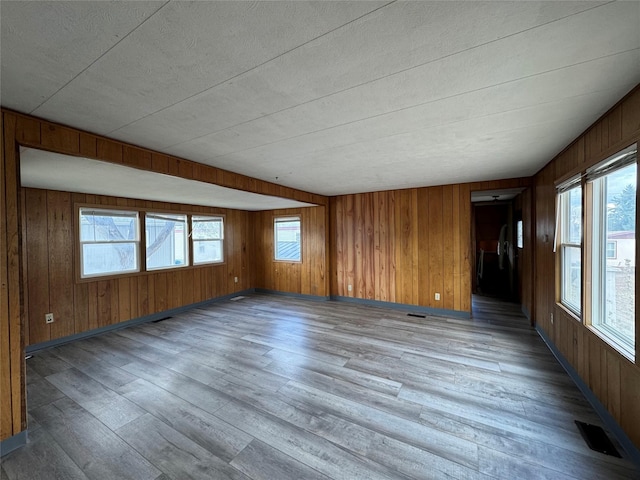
[349, 287]
[551, 318]
[437, 296]
[48, 317]
[235, 279]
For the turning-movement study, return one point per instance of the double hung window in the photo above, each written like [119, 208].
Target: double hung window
[109, 242]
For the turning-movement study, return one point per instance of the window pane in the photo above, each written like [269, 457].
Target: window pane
[614, 255]
[207, 251]
[519, 235]
[572, 221]
[571, 280]
[107, 226]
[108, 258]
[287, 236]
[166, 241]
[207, 228]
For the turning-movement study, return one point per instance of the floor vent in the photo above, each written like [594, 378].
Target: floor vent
[235, 299]
[597, 439]
[161, 319]
[416, 315]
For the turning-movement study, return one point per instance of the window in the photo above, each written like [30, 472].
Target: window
[109, 242]
[287, 239]
[570, 228]
[207, 234]
[612, 187]
[166, 240]
[519, 235]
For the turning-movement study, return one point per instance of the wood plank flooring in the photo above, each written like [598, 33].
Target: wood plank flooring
[275, 388]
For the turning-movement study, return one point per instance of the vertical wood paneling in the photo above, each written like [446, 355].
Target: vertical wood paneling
[80, 306]
[436, 245]
[406, 245]
[109, 150]
[307, 277]
[61, 256]
[611, 377]
[37, 264]
[448, 242]
[59, 139]
[49, 282]
[424, 249]
[465, 248]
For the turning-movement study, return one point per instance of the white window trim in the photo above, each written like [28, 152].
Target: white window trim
[110, 213]
[204, 218]
[168, 216]
[285, 219]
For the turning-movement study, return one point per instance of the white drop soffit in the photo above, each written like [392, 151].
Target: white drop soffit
[53, 171]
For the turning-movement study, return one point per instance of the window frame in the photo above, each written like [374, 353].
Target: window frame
[193, 241]
[115, 212]
[142, 269]
[596, 254]
[187, 250]
[563, 231]
[282, 219]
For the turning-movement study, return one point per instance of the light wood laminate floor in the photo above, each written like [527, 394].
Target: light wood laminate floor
[276, 388]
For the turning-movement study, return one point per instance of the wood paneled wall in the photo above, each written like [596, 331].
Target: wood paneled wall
[404, 246]
[33, 132]
[93, 304]
[13, 418]
[308, 277]
[50, 269]
[524, 203]
[613, 379]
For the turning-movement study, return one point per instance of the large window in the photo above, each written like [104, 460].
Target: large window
[109, 242]
[612, 187]
[166, 240]
[287, 239]
[207, 234]
[570, 219]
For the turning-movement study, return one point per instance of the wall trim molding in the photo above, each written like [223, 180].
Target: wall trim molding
[129, 323]
[440, 312]
[610, 423]
[10, 444]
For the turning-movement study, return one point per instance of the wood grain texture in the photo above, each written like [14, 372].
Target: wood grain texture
[58, 138]
[405, 246]
[81, 306]
[611, 377]
[308, 277]
[272, 387]
[13, 400]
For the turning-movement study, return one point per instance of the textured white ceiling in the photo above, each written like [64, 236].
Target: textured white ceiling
[54, 171]
[329, 97]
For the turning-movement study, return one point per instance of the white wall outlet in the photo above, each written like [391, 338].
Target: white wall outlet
[349, 288]
[48, 317]
[235, 279]
[437, 296]
[551, 318]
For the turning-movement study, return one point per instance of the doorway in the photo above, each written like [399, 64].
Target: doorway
[495, 253]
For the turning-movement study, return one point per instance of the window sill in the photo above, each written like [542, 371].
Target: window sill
[619, 348]
[570, 313]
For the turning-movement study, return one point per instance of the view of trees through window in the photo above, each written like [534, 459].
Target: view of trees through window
[166, 240]
[618, 285]
[109, 242]
[207, 235]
